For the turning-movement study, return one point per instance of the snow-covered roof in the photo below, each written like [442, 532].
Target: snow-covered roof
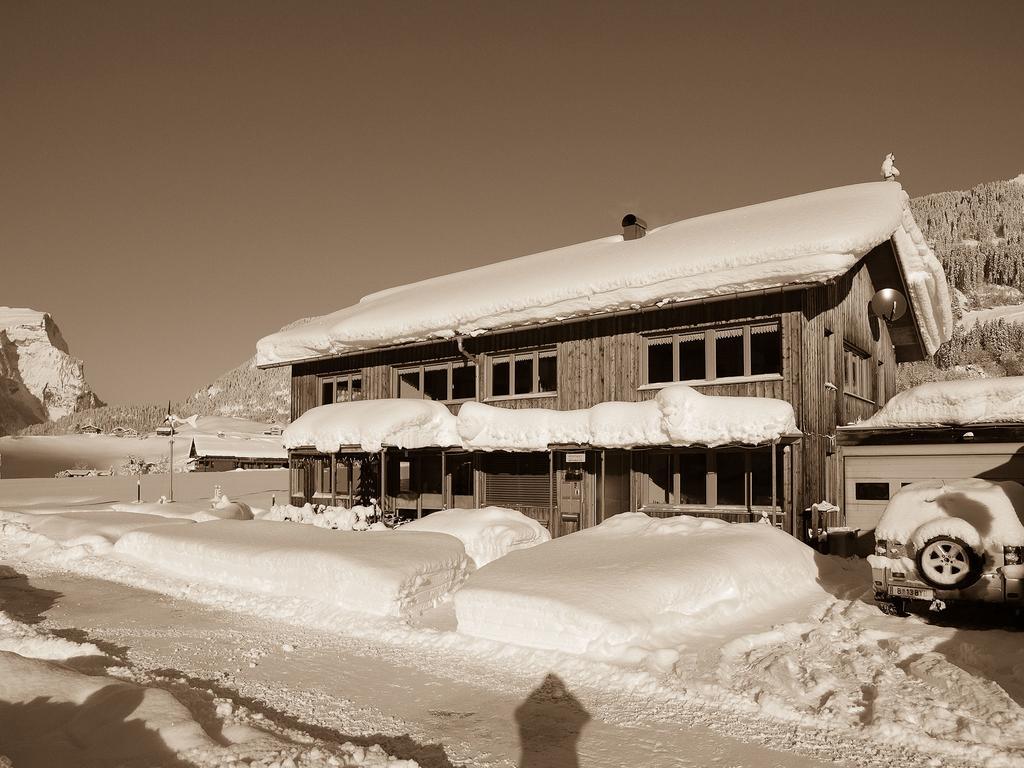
[806, 239]
[240, 447]
[956, 403]
[679, 415]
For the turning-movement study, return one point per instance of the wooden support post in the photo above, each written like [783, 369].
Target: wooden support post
[383, 484]
[552, 525]
[334, 479]
[445, 489]
[774, 489]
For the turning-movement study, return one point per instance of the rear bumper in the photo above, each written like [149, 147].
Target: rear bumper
[993, 587]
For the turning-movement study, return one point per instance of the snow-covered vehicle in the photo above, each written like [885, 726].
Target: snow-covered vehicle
[950, 541]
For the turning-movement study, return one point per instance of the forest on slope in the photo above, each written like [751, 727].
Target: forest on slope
[978, 235]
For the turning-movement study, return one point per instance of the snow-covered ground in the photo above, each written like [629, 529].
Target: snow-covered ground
[51, 714]
[798, 659]
[42, 456]
[1011, 313]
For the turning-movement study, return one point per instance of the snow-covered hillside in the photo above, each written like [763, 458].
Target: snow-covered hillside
[39, 379]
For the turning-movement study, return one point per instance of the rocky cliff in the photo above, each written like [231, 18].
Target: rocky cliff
[39, 380]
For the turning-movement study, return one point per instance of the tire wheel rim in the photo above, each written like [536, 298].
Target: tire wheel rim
[946, 562]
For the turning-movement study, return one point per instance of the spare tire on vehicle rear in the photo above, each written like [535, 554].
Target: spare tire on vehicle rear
[948, 562]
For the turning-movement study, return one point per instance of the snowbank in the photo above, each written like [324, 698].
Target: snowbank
[375, 572]
[223, 509]
[635, 586]
[487, 533]
[371, 424]
[958, 403]
[993, 510]
[94, 530]
[809, 238]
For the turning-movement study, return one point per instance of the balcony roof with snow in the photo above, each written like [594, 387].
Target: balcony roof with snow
[677, 416]
[806, 239]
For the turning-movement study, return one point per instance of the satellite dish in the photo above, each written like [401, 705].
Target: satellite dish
[889, 304]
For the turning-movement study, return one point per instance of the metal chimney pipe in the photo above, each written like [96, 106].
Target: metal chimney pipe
[633, 227]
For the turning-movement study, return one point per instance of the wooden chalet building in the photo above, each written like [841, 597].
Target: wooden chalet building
[223, 453]
[766, 301]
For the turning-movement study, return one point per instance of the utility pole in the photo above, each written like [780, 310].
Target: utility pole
[169, 420]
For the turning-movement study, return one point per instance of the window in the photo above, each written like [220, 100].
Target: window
[446, 382]
[516, 479]
[524, 373]
[727, 478]
[715, 353]
[341, 388]
[858, 373]
[872, 491]
[460, 470]
[731, 472]
[347, 472]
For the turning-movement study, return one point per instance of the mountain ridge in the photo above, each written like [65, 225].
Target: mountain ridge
[39, 379]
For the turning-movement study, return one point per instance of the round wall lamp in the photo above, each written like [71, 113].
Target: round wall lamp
[889, 304]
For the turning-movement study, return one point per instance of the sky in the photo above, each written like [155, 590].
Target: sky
[182, 178]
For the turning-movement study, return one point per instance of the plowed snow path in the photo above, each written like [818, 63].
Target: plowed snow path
[439, 710]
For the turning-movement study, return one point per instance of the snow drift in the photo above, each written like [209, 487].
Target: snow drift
[377, 573]
[487, 533]
[635, 586]
[806, 239]
[957, 403]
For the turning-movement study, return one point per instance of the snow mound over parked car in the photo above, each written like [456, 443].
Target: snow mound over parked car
[970, 401]
[377, 573]
[487, 533]
[635, 586]
[989, 513]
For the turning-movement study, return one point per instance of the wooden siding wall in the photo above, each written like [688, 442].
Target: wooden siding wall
[598, 360]
[834, 314]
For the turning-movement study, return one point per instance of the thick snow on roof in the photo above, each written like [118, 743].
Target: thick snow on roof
[242, 447]
[372, 424]
[809, 238]
[636, 585]
[679, 415]
[957, 403]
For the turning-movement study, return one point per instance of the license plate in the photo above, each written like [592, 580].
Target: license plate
[914, 592]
